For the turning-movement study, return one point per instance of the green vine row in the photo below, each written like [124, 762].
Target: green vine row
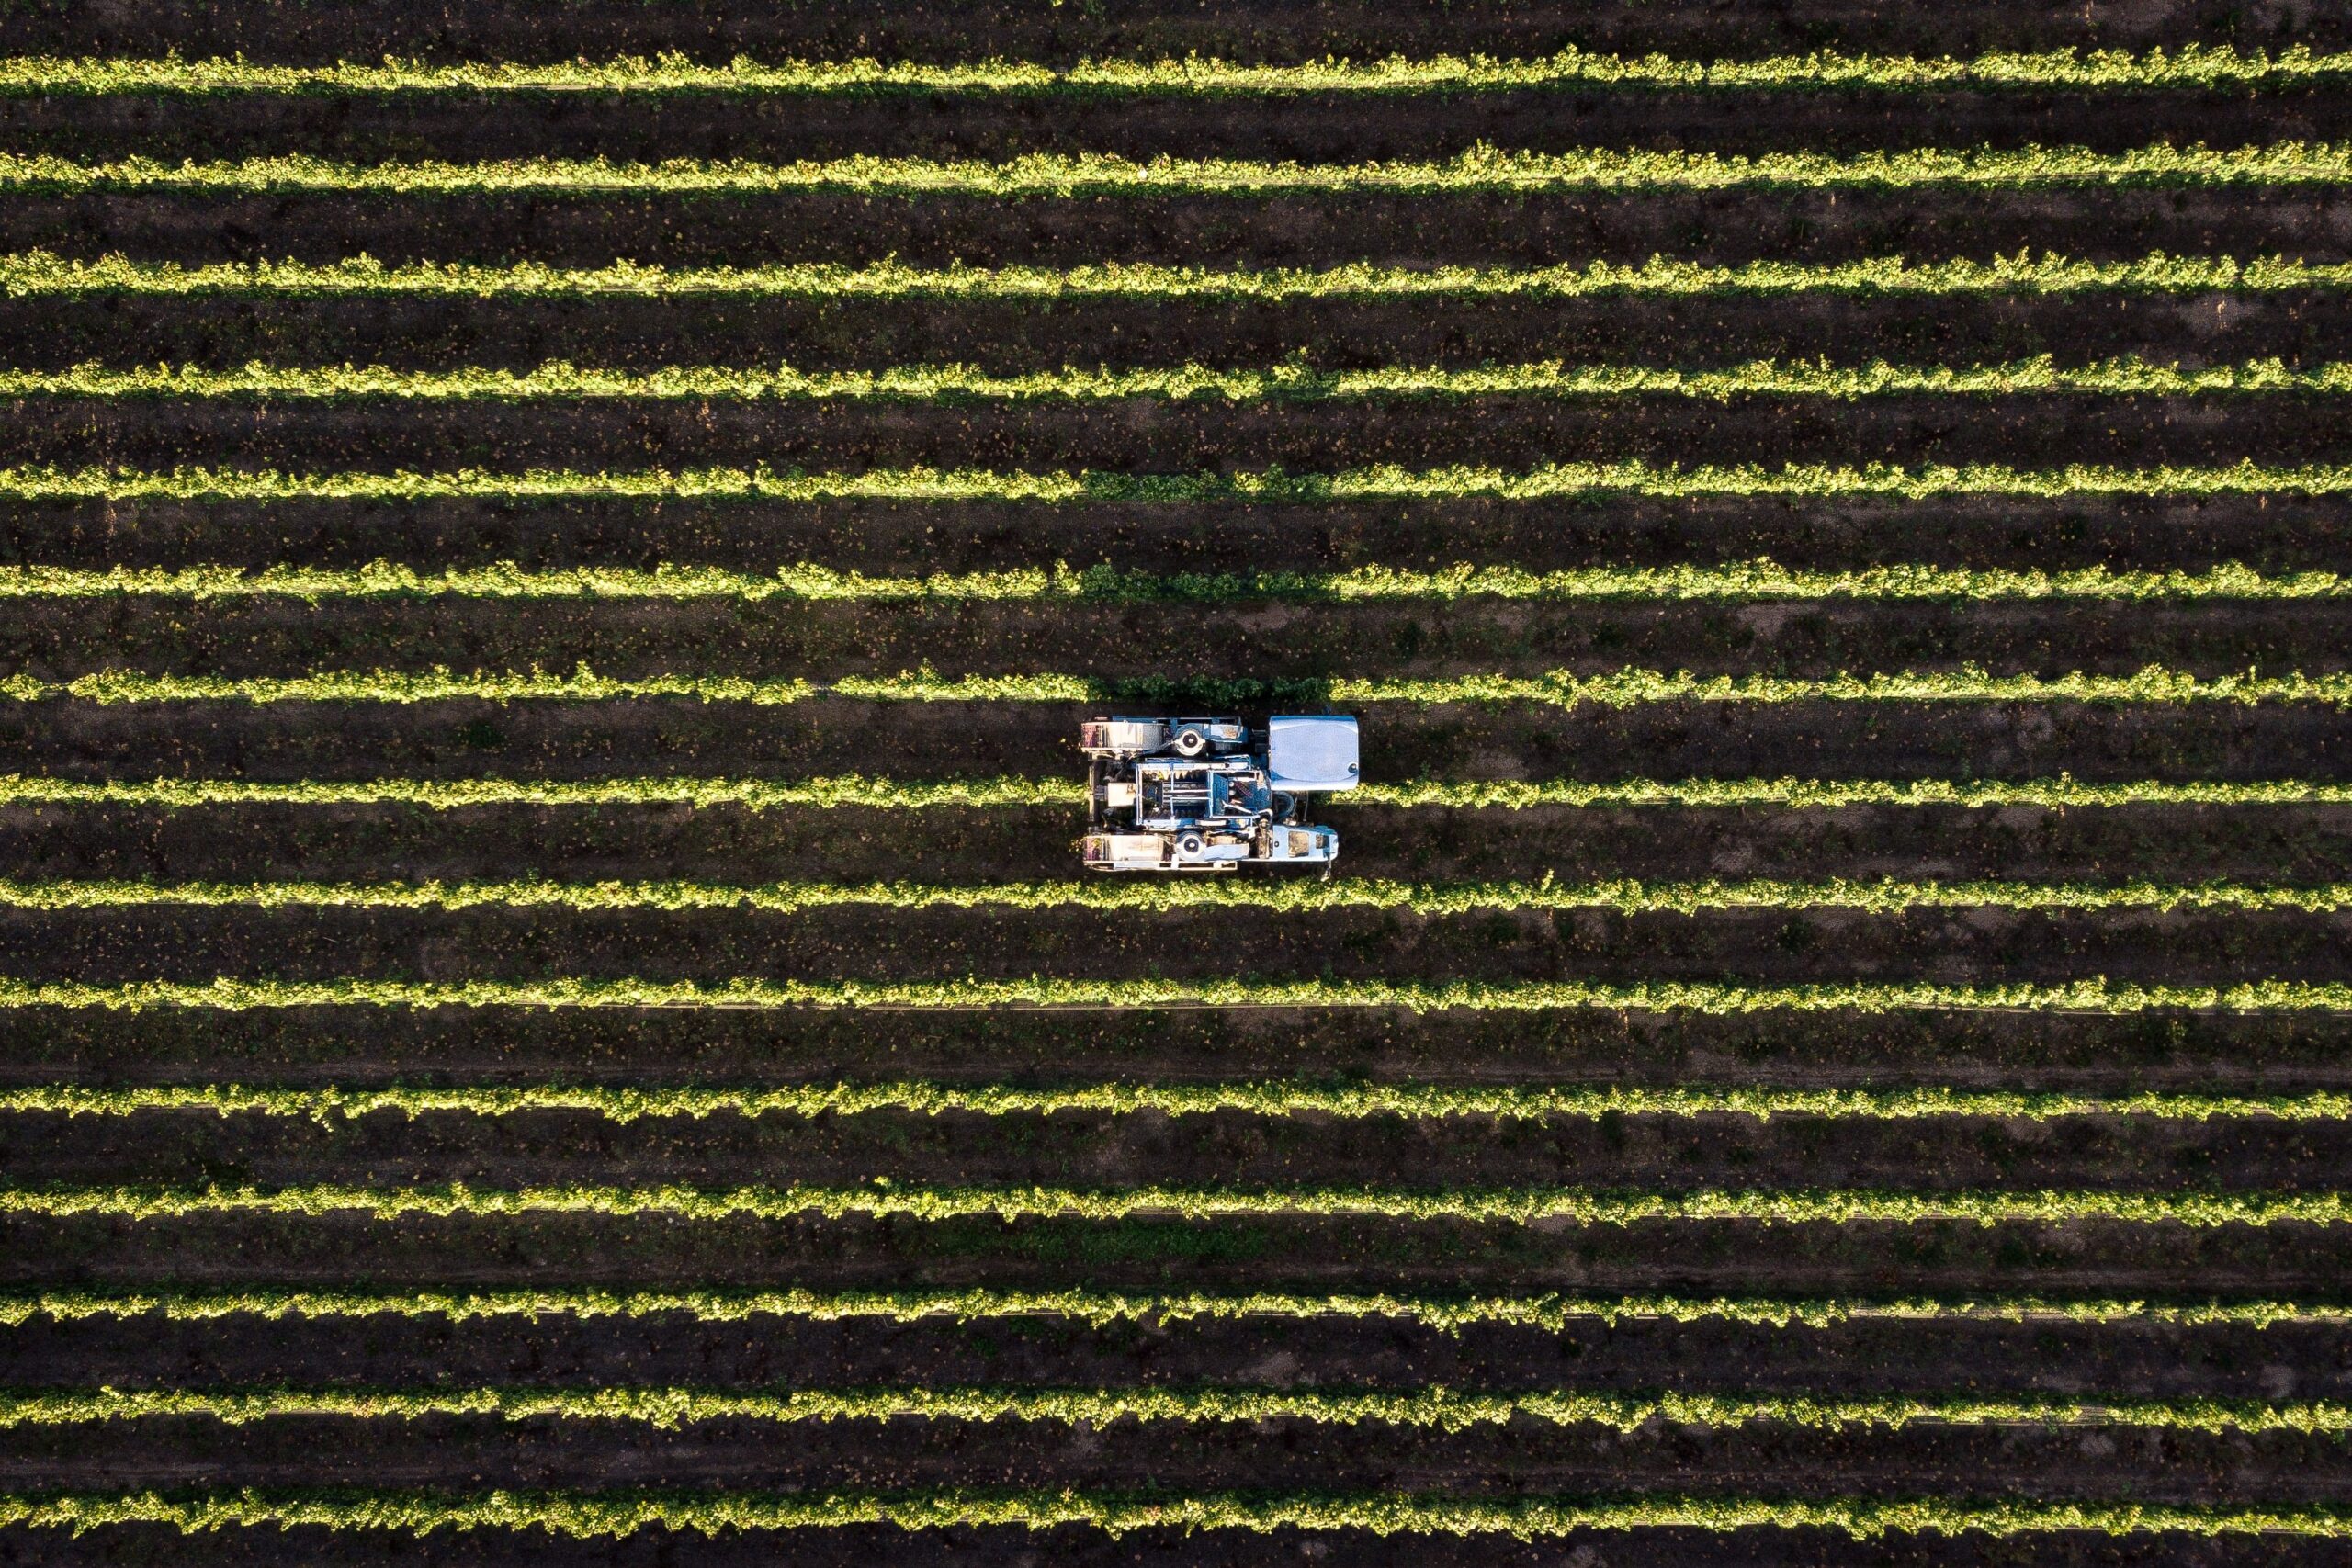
[41, 272]
[883, 1197]
[1056, 174]
[2193, 65]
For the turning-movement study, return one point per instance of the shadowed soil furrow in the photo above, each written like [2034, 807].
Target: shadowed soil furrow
[1527, 1456]
[1282, 31]
[1929, 223]
[732, 846]
[1098, 1152]
[1306, 127]
[785, 639]
[1012, 337]
[1635, 1356]
[1156, 435]
[2272, 534]
[2192, 1052]
[1982, 947]
[1701, 1258]
[929, 741]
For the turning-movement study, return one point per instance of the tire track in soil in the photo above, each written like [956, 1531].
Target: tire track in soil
[1724, 227]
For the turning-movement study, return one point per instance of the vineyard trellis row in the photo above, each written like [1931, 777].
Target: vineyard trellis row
[1436, 1408]
[1735, 580]
[35, 273]
[590, 1515]
[1555, 481]
[1512, 1206]
[1042, 174]
[1550, 1312]
[926, 384]
[914, 794]
[1285, 1098]
[2194, 65]
[2094, 996]
[1560, 688]
[1883, 895]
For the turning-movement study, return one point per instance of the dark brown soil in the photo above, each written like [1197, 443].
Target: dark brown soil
[1291, 649]
[1927, 223]
[1011, 337]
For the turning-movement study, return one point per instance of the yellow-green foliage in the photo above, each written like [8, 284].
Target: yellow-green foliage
[1736, 580]
[1045, 174]
[1439, 1408]
[1548, 1311]
[41, 272]
[1551, 481]
[1274, 1098]
[1560, 688]
[1296, 382]
[1513, 1205]
[2095, 995]
[1386, 1513]
[855, 790]
[2194, 65]
[1882, 896]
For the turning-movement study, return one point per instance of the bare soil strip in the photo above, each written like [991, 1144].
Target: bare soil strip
[1763, 947]
[635, 332]
[1635, 1356]
[1304, 1255]
[728, 846]
[1155, 435]
[2278, 535]
[829, 736]
[1224, 1150]
[780, 639]
[1722, 226]
[2284, 1469]
[1305, 127]
[1286, 30]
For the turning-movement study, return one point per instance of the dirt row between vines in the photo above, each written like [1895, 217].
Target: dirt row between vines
[1099, 1152]
[2285, 1469]
[1349, 128]
[1159, 435]
[1280, 31]
[1925, 224]
[293, 741]
[735, 846]
[643, 331]
[1703, 1259]
[2187, 1052]
[1765, 947]
[2272, 533]
[785, 639]
[1634, 1356]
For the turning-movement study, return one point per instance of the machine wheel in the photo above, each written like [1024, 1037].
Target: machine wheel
[1190, 741]
[1191, 845]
